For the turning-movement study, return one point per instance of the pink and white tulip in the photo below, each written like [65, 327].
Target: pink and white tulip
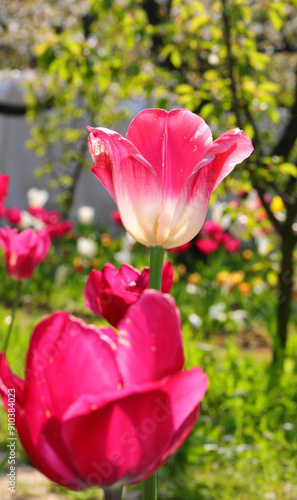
[161, 175]
[98, 408]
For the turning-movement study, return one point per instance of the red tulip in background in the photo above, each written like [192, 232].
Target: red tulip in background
[45, 215]
[98, 408]
[4, 184]
[161, 175]
[181, 249]
[23, 250]
[52, 220]
[111, 292]
[213, 237]
[60, 228]
[213, 230]
[231, 244]
[207, 245]
[13, 215]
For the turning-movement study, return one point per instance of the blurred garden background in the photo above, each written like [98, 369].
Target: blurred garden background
[67, 64]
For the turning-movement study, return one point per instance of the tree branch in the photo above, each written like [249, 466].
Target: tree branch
[278, 226]
[289, 135]
[230, 61]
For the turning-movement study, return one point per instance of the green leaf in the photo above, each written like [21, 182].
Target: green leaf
[4, 461]
[175, 58]
[288, 168]
[275, 19]
[184, 88]
[249, 130]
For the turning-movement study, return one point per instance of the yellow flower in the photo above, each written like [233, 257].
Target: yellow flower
[244, 288]
[105, 239]
[277, 204]
[194, 279]
[247, 254]
[236, 277]
[222, 277]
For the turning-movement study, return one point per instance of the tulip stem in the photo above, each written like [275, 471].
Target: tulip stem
[156, 267]
[149, 488]
[14, 308]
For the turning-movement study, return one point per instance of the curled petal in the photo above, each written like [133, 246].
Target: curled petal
[131, 181]
[225, 153]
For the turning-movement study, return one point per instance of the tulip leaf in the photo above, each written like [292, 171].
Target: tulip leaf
[4, 461]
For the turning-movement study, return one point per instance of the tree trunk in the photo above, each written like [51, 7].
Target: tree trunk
[285, 290]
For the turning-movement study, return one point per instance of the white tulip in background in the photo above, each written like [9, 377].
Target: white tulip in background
[216, 312]
[123, 257]
[217, 211]
[37, 197]
[87, 247]
[239, 316]
[85, 215]
[128, 242]
[239, 226]
[27, 220]
[195, 320]
[263, 245]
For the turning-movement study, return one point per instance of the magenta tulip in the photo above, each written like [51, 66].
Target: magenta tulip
[23, 250]
[13, 215]
[111, 292]
[231, 244]
[182, 249]
[207, 245]
[4, 184]
[161, 175]
[98, 408]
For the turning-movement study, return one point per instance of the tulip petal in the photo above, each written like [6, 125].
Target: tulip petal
[51, 463]
[107, 293]
[167, 277]
[119, 441]
[185, 391]
[92, 288]
[225, 153]
[190, 210]
[150, 340]
[50, 455]
[66, 358]
[119, 279]
[8, 380]
[173, 143]
[140, 427]
[130, 180]
[129, 273]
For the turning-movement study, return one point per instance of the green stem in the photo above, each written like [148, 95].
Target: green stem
[149, 486]
[156, 267]
[14, 308]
